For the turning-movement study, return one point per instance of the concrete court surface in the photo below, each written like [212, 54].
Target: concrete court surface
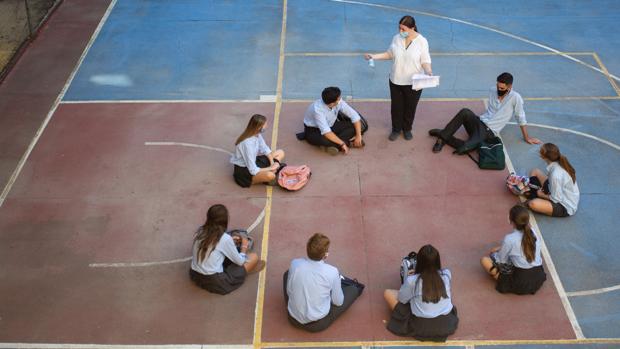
[92, 191]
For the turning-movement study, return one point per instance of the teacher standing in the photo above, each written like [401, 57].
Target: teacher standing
[409, 50]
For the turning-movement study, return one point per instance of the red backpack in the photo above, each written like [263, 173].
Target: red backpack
[293, 177]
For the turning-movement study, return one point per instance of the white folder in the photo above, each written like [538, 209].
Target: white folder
[420, 81]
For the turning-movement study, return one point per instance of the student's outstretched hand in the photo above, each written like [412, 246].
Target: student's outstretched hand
[345, 149]
[357, 142]
[532, 140]
[274, 167]
[367, 56]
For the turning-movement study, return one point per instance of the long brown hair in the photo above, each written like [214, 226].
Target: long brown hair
[409, 22]
[520, 217]
[211, 232]
[551, 152]
[428, 266]
[254, 125]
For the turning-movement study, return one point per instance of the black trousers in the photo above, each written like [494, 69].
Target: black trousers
[343, 128]
[350, 295]
[404, 104]
[477, 130]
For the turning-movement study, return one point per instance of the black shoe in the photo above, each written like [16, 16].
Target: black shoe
[393, 136]
[408, 135]
[438, 146]
[435, 132]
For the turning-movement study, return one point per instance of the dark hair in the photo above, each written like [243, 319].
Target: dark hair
[428, 266]
[254, 125]
[211, 232]
[409, 22]
[551, 152]
[330, 94]
[317, 246]
[505, 78]
[520, 217]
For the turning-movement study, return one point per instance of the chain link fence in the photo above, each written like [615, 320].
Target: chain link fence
[19, 23]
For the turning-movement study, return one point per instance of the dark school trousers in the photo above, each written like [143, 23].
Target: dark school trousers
[404, 104]
[350, 295]
[343, 128]
[477, 130]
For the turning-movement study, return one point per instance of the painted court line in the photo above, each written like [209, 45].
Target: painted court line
[191, 145]
[480, 26]
[503, 53]
[118, 346]
[264, 99]
[414, 343]
[35, 139]
[593, 292]
[171, 261]
[260, 292]
[583, 134]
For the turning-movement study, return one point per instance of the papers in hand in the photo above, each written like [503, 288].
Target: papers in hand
[420, 81]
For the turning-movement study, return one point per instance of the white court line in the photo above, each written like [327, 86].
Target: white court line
[551, 266]
[593, 292]
[120, 346]
[587, 135]
[516, 37]
[35, 139]
[191, 145]
[264, 99]
[171, 261]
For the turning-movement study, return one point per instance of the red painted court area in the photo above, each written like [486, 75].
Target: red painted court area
[92, 191]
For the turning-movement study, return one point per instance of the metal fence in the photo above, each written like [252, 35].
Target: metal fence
[19, 23]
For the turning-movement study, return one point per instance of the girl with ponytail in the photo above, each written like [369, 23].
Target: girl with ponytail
[559, 195]
[521, 250]
[217, 265]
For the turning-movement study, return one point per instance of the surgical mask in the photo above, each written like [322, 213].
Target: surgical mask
[262, 130]
[501, 93]
[404, 35]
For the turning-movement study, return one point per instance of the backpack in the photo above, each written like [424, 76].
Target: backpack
[519, 185]
[407, 265]
[490, 155]
[293, 177]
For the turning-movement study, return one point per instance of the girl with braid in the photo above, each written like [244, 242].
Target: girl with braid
[517, 263]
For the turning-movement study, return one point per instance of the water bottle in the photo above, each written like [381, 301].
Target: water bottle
[371, 63]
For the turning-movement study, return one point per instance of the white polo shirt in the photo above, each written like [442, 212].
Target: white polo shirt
[408, 60]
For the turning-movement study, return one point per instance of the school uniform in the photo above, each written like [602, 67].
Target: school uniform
[489, 124]
[407, 61]
[563, 192]
[319, 119]
[527, 277]
[221, 271]
[412, 317]
[315, 294]
[249, 157]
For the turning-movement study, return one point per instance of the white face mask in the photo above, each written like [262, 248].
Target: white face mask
[326, 255]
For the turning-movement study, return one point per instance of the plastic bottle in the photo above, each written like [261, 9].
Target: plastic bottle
[371, 63]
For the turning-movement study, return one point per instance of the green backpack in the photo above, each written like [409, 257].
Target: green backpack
[490, 155]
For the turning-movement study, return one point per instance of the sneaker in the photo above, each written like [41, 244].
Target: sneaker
[259, 266]
[408, 135]
[435, 132]
[438, 146]
[393, 136]
[330, 150]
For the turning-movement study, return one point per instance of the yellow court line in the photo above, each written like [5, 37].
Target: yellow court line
[613, 83]
[447, 343]
[489, 53]
[467, 99]
[260, 299]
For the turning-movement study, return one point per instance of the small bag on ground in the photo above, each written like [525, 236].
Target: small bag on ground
[407, 265]
[502, 268]
[520, 185]
[293, 177]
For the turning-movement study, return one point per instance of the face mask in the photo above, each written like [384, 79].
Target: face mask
[404, 35]
[262, 130]
[501, 93]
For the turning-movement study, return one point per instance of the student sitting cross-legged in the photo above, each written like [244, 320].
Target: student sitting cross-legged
[332, 124]
[253, 159]
[559, 195]
[517, 263]
[315, 292]
[217, 265]
[423, 308]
